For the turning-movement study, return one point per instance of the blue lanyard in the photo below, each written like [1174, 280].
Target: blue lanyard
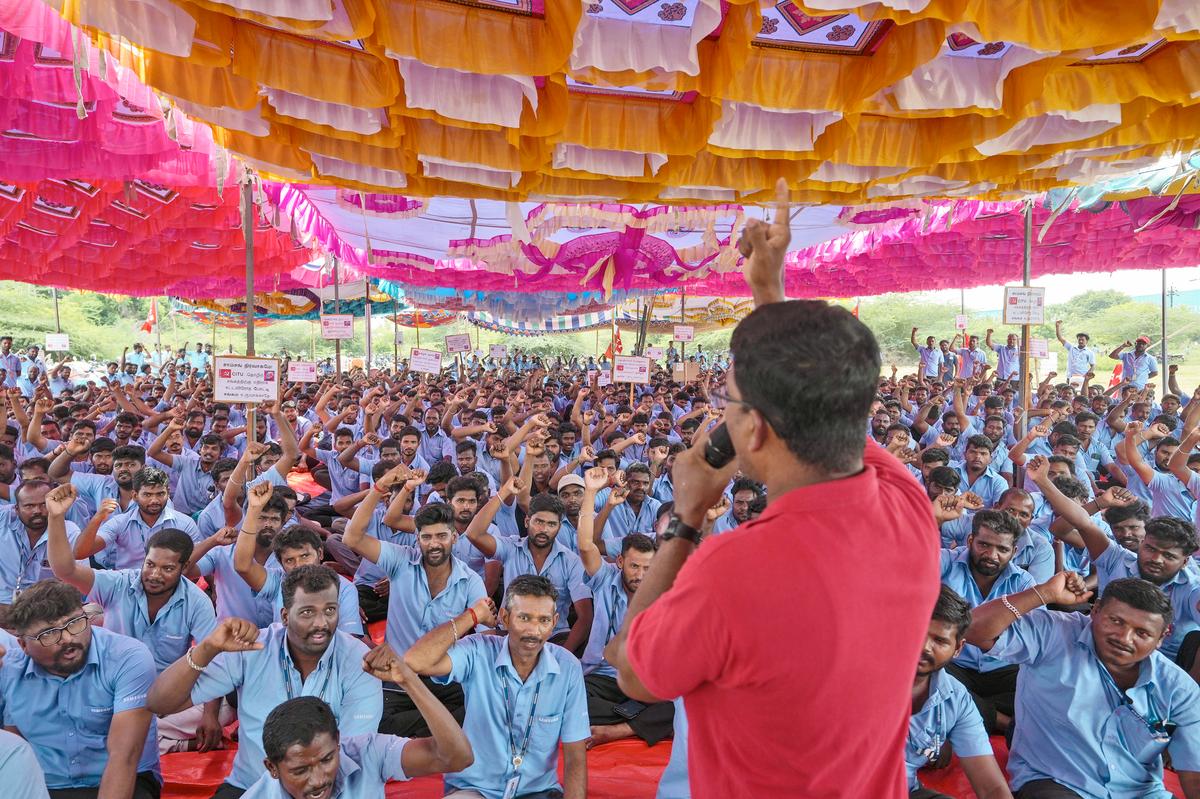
[287, 668]
[518, 756]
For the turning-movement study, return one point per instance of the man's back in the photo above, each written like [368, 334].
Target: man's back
[811, 697]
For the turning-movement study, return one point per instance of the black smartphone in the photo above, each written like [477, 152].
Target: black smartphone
[629, 709]
[719, 451]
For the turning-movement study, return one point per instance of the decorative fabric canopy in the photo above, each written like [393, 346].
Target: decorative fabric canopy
[674, 100]
[423, 318]
[297, 303]
[703, 313]
[230, 321]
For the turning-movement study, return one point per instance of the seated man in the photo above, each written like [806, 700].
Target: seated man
[154, 604]
[23, 539]
[78, 695]
[427, 585]
[306, 755]
[213, 557]
[983, 570]
[943, 713]
[529, 678]
[120, 543]
[613, 714]
[19, 768]
[1098, 704]
[539, 553]
[293, 547]
[304, 655]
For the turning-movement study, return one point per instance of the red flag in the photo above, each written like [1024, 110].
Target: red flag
[856, 309]
[614, 347]
[1116, 377]
[151, 318]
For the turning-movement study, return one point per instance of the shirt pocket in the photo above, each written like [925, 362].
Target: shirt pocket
[96, 719]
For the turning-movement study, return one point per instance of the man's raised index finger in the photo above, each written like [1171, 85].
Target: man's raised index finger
[783, 198]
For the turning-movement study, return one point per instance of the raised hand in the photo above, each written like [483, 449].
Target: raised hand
[970, 500]
[107, 508]
[395, 476]
[257, 496]
[596, 478]
[234, 635]
[372, 440]
[1116, 497]
[1037, 468]
[485, 611]
[947, 508]
[617, 496]
[226, 535]
[384, 664]
[1064, 588]
[718, 510]
[60, 500]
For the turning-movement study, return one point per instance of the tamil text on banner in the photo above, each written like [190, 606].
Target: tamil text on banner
[631, 369]
[460, 342]
[337, 326]
[57, 342]
[684, 332]
[244, 378]
[302, 371]
[1024, 305]
[498, 352]
[426, 361]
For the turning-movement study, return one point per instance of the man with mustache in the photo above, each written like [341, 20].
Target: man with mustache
[303, 655]
[23, 541]
[78, 695]
[980, 571]
[153, 604]
[93, 489]
[540, 553]
[942, 711]
[526, 696]
[122, 538]
[614, 715]
[426, 586]
[1138, 366]
[1098, 704]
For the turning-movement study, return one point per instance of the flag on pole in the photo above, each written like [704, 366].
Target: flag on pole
[614, 347]
[1116, 375]
[151, 318]
[856, 301]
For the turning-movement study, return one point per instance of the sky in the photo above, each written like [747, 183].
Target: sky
[1061, 288]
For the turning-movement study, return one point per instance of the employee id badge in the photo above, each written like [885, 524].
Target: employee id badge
[510, 789]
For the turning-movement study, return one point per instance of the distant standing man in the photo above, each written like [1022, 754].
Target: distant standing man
[1080, 359]
[1138, 366]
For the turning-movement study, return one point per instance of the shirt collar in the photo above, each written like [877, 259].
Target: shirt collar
[546, 664]
[1147, 669]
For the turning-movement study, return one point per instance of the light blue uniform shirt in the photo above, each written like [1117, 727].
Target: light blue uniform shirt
[1169, 497]
[1007, 359]
[483, 664]
[663, 488]
[988, 486]
[22, 565]
[266, 678]
[234, 597]
[609, 603]
[192, 490]
[949, 714]
[212, 518]
[622, 521]
[931, 360]
[349, 618]
[1035, 554]
[1118, 562]
[368, 573]
[67, 720]
[366, 763]
[673, 784]
[412, 612]
[433, 447]
[11, 363]
[93, 489]
[562, 567]
[956, 573]
[125, 535]
[726, 523]
[342, 481]
[1077, 728]
[20, 772]
[1137, 368]
[187, 616]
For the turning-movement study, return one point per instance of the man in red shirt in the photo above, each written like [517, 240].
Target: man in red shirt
[792, 639]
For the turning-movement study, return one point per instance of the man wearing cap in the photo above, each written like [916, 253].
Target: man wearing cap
[570, 493]
[1080, 359]
[1138, 366]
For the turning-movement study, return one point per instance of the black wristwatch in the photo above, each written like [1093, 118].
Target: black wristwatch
[678, 528]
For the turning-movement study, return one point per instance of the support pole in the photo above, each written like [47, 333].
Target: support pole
[683, 321]
[367, 320]
[395, 330]
[157, 327]
[58, 321]
[1025, 329]
[1165, 366]
[313, 332]
[337, 308]
[417, 326]
[248, 235]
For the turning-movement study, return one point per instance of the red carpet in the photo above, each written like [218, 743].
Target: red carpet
[302, 482]
[622, 770]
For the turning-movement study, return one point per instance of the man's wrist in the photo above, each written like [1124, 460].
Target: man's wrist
[203, 653]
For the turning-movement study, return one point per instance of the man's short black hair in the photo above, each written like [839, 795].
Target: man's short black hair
[945, 477]
[101, 444]
[998, 522]
[174, 540]
[1173, 532]
[637, 468]
[312, 579]
[460, 484]
[1068, 440]
[980, 442]
[639, 542]
[1070, 487]
[529, 585]
[296, 537]
[41, 604]
[953, 610]
[150, 476]
[441, 472]
[466, 446]
[1139, 594]
[1117, 514]
[130, 452]
[607, 454]
[746, 484]
[935, 455]
[547, 503]
[814, 385]
[296, 721]
[434, 513]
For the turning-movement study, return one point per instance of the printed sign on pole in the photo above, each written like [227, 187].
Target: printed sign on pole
[399, 335]
[631, 369]
[1024, 305]
[302, 371]
[684, 332]
[57, 342]
[460, 342]
[655, 353]
[498, 352]
[960, 321]
[337, 326]
[1039, 348]
[244, 378]
[604, 379]
[427, 361]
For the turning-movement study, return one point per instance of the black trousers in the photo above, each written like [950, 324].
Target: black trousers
[372, 604]
[227, 791]
[401, 717]
[993, 691]
[146, 786]
[1045, 789]
[927, 793]
[651, 725]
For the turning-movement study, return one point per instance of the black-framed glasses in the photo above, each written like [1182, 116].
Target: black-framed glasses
[52, 635]
[721, 398]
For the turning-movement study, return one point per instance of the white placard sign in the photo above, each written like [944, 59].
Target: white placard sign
[1039, 348]
[244, 378]
[399, 335]
[655, 353]
[337, 326]
[498, 352]
[684, 332]
[631, 369]
[427, 361]
[604, 379]
[302, 371]
[1024, 305]
[960, 321]
[57, 342]
[460, 342]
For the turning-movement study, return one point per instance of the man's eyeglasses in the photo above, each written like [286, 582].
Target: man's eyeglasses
[720, 398]
[52, 635]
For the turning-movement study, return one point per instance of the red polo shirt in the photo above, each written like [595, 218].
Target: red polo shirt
[794, 639]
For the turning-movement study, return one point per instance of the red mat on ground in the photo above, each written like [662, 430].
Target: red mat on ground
[303, 483]
[621, 770]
